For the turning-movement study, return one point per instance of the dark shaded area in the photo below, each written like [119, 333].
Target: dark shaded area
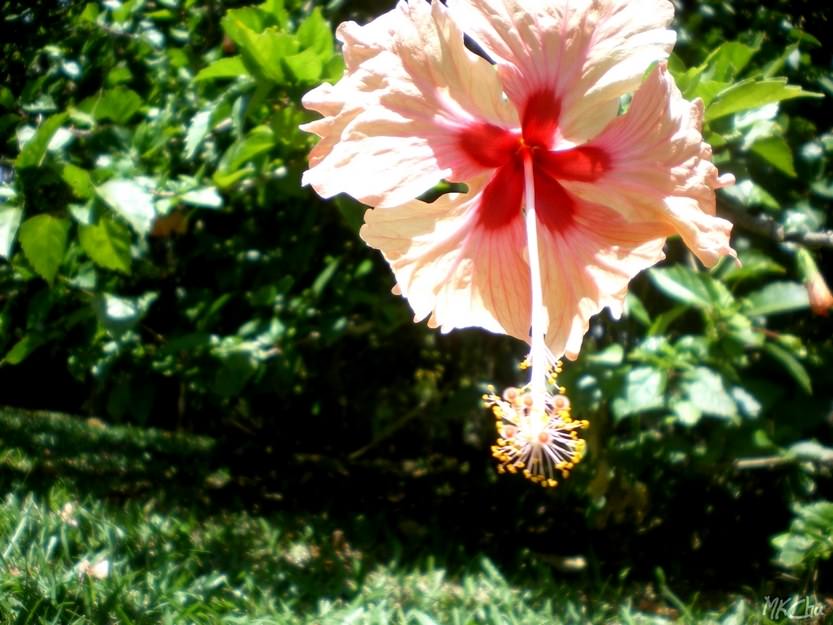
[451, 507]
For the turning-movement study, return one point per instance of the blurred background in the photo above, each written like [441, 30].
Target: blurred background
[214, 410]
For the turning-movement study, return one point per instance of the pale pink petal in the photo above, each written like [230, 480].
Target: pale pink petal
[392, 125]
[452, 267]
[659, 169]
[580, 54]
[586, 266]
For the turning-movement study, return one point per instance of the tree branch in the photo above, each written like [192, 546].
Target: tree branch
[768, 228]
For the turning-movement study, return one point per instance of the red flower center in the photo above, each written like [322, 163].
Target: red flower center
[495, 147]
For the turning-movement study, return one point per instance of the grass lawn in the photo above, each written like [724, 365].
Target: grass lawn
[119, 525]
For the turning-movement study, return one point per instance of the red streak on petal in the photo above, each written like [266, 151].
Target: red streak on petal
[501, 200]
[583, 164]
[488, 145]
[540, 119]
[555, 207]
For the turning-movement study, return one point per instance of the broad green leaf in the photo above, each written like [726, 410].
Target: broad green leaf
[749, 193]
[687, 413]
[729, 59]
[34, 151]
[751, 94]
[775, 298]
[117, 105]
[261, 51]
[611, 356]
[119, 314]
[229, 67]
[79, 181]
[314, 33]
[10, 217]
[691, 287]
[643, 389]
[792, 365]
[746, 402]
[131, 202]
[305, 66]
[44, 242]
[754, 264]
[251, 18]
[277, 11]
[107, 243]
[235, 372]
[776, 151]
[705, 390]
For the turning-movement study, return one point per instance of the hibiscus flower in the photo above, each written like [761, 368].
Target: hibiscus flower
[567, 197]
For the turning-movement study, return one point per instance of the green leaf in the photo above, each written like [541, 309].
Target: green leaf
[636, 309]
[34, 151]
[643, 389]
[197, 131]
[776, 151]
[812, 451]
[261, 51]
[775, 298]
[251, 18]
[225, 68]
[611, 356]
[663, 321]
[729, 59]
[10, 217]
[7, 100]
[305, 66]
[118, 105]
[20, 351]
[690, 287]
[204, 197]
[120, 315]
[314, 33]
[79, 181]
[755, 264]
[687, 413]
[236, 370]
[131, 202]
[792, 366]
[749, 193]
[260, 139]
[44, 242]
[107, 243]
[277, 11]
[752, 94]
[705, 390]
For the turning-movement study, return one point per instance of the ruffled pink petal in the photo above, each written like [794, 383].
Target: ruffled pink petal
[589, 254]
[659, 169]
[397, 122]
[453, 266]
[577, 56]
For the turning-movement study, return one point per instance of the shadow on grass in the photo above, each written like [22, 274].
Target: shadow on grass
[340, 518]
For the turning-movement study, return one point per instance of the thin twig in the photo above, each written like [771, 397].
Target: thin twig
[767, 462]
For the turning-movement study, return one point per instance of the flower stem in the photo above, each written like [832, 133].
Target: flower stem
[538, 346]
